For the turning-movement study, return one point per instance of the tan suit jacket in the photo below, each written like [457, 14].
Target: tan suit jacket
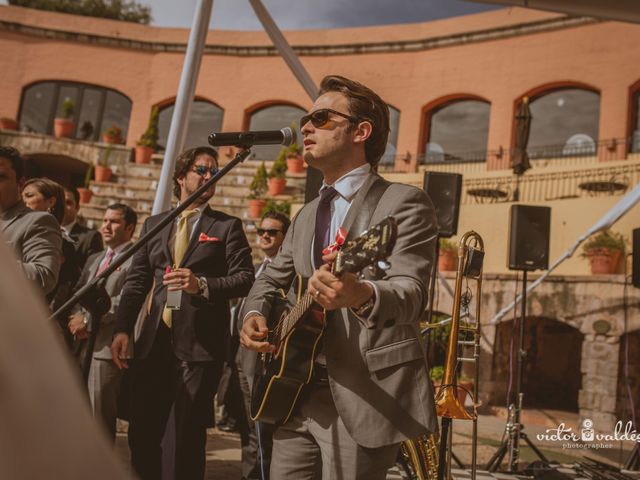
[377, 367]
[36, 239]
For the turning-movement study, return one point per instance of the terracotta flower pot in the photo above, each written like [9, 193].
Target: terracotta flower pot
[143, 154]
[603, 261]
[276, 186]
[63, 127]
[295, 164]
[112, 139]
[103, 174]
[447, 260]
[8, 124]
[255, 207]
[85, 195]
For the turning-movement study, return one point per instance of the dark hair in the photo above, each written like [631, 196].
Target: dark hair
[50, 189]
[17, 163]
[130, 216]
[280, 217]
[364, 104]
[186, 160]
[73, 191]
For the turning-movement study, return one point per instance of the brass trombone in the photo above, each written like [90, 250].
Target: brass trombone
[448, 406]
[429, 457]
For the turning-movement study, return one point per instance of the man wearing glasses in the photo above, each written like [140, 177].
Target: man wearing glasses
[271, 232]
[203, 259]
[370, 388]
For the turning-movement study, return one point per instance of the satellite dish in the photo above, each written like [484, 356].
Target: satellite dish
[435, 153]
[579, 144]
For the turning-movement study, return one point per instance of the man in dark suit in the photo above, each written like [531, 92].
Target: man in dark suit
[118, 225]
[35, 237]
[370, 389]
[87, 241]
[256, 455]
[205, 257]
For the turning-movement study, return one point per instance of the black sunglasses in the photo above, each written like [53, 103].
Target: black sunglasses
[272, 232]
[319, 118]
[202, 170]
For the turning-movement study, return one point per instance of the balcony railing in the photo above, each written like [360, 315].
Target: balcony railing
[613, 179]
[547, 155]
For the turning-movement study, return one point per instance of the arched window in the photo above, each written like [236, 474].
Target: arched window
[95, 108]
[206, 117]
[564, 123]
[458, 131]
[274, 117]
[635, 127]
[390, 152]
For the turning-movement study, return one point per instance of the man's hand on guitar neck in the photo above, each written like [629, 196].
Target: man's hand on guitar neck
[254, 329]
[332, 292]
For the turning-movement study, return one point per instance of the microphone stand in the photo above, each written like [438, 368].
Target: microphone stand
[94, 298]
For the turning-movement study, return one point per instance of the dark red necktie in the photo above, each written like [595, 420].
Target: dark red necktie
[106, 263]
[323, 224]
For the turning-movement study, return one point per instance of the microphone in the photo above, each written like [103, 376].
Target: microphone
[286, 136]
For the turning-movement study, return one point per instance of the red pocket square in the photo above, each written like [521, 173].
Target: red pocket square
[205, 238]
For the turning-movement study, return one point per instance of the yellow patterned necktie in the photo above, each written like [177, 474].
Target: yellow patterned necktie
[180, 248]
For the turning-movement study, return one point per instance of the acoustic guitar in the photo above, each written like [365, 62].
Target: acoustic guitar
[296, 331]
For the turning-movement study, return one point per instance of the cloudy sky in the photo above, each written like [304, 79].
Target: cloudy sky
[310, 14]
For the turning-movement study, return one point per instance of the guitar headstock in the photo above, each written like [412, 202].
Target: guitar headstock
[370, 247]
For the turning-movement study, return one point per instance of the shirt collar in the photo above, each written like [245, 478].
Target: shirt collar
[349, 184]
[119, 249]
[67, 228]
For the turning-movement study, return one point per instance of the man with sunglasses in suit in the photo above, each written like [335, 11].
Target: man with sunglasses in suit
[370, 388]
[179, 353]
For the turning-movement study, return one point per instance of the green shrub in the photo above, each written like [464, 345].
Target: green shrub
[259, 185]
[606, 239]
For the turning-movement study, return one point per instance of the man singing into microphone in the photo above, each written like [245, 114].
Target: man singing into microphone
[370, 389]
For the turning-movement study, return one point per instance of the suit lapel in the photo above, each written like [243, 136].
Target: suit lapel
[94, 267]
[204, 225]
[308, 231]
[356, 207]
[167, 245]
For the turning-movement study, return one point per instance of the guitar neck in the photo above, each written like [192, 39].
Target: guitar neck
[295, 314]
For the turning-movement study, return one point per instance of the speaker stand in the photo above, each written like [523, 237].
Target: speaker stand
[514, 428]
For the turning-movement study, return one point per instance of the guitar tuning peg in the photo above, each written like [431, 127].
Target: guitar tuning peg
[384, 265]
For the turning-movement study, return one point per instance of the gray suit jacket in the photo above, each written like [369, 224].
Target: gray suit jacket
[377, 367]
[114, 289]
[36, 239]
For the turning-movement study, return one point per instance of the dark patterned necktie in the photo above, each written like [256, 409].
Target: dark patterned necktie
[323, 224]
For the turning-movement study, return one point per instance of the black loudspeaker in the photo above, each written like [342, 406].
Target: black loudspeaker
[635, 264]
[313, 184]
[444, 189]
[529, 237]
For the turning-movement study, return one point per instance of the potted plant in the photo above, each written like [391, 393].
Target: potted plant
[103, 172]
[277, 174]
[85, 192]
[8, 124]
[604, 251]
[257, 190]
[295, 163]
[112, 135]
[148, 142]
[447, 256]
[63, 126]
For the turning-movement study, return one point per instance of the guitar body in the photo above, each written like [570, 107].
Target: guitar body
[296, 332]
[290, 367]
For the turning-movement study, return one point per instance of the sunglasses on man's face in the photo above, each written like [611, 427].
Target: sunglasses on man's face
[202, 170]
[272, 232]
[319, 118]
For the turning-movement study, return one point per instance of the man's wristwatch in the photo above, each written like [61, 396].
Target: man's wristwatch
[202, 285]
[365, 309]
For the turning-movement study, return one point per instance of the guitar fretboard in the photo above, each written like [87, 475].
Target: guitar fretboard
[289, 321]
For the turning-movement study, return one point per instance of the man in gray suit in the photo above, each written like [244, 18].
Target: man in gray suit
[118, 225]
[370, 389]
[35, 237]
